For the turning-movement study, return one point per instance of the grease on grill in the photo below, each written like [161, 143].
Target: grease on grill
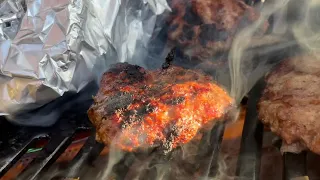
[120, 100]
[175, 101]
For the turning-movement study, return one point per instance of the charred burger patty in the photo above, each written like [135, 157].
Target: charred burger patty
[290, 104]
[136, 108]
[204, 27]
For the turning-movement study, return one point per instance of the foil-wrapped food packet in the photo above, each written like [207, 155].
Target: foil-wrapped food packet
[49, 48]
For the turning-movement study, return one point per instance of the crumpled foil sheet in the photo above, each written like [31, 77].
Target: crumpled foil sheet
[48, 48]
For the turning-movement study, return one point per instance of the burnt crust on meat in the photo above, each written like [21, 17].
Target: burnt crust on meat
[163, 108]
[118, 101]
[290, 103]
[204, 27]
[132, 73]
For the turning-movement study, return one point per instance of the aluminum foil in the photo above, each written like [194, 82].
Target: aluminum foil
[48, 48]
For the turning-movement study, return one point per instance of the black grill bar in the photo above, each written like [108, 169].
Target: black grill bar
[9, 162]
[47, 156]
[87, 154]
[249, 161]
[212, 143]
[295, 165]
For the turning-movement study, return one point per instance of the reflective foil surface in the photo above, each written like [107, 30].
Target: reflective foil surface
[48, 48]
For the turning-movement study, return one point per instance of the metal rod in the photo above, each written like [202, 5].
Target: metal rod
[209, 160]
[47, 156]
[87, 154]
[248, 166]
[9, 162]
[295, 165]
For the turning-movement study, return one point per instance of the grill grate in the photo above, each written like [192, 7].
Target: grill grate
[20, 139]
[248, 162]
[62, 134]
[56, 146]
[58, 142]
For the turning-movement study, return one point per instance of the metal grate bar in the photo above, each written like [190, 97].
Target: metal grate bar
[209, 161]
[87, 154]
[9, 162]
[295, 165]
[90, 150]
[248, 166]
[47, 156]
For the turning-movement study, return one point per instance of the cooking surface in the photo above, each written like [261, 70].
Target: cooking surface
[271, 160]
[252, 152]
[229, 149]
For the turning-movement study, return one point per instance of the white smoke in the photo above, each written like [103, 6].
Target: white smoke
[246, 68]
[243, 75]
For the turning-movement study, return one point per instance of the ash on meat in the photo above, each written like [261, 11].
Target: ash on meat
[172, 132]
[131, 117]
[136, 116]
[146, 109]
[120, 100]
[175, 101]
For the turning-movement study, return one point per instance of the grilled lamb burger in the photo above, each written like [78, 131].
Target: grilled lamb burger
[290, 104]
[136, 108]
[203, 27]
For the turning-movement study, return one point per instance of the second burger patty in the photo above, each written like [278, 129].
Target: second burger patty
[290, 104]
[136, 108]
[203, 27]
